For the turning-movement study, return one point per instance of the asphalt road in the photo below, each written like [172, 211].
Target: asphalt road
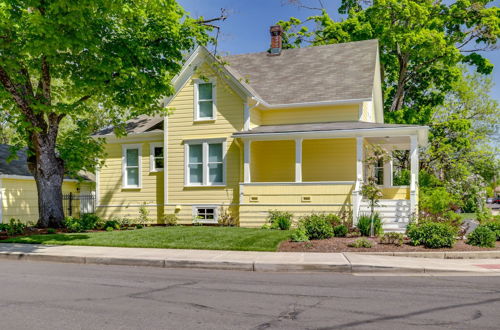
[42, 295]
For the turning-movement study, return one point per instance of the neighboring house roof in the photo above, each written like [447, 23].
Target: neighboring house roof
[333, 72]
[319, 127]
[19, 165]
[137, 125]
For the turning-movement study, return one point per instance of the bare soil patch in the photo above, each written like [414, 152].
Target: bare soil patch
[340, 244]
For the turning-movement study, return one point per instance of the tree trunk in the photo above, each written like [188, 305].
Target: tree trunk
[49, 176]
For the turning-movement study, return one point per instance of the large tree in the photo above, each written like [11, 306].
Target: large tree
[77, 60]
[421, 43]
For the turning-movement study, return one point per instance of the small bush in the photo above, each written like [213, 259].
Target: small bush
[432, 235]
[364, 224]
[139, 226]
[51, 231]
[353, 234]
[361, 243]
[113, 223]
[495, 227]
[109, 228]
[266, 226]
[299, 235]
[170, 219]
[333, 219]
[392, 238]
[482, 236]
[225, 218]
[73, 225]
[143, 214]
[89, 221]
[340, 230]
[316, 226]
[15, 227]
[280, 220]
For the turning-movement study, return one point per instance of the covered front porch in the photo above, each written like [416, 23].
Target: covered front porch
[304, 168]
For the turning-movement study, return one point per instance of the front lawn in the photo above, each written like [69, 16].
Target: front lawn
[179, 237]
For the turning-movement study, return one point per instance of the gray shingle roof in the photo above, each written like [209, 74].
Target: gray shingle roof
[313, 74]
[19, 166]
[314, 127]
[140, 124]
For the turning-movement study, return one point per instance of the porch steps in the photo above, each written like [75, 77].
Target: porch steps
[395, 213]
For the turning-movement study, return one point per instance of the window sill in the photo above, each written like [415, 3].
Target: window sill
[205, 186]
[204, 120]
[131, 188]
[157, 170]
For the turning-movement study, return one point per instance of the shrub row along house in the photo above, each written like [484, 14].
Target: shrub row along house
[18, 192]
[285, 130]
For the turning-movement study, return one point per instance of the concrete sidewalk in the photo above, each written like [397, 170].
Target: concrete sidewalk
[244, 260]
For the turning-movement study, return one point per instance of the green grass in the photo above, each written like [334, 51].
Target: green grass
[209, 238]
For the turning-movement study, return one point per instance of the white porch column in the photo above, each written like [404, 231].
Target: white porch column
[246, 116]
[1, 202]
[356, 194]
[414, 173]
[298, 160]
[359, 158]
[388, 172]
[246, 161]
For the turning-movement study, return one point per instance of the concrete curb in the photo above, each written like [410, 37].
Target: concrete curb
[441, 254]
[256, 266]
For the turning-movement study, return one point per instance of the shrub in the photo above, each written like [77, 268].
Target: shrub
[73, 225]
[392, 238]
[482, 236]
[436, 200]
[170, 219]
[364, 224]
[333, 219]
[15, 227]
[340, 230]
[299, 235]
[432, 235]
[51, 231]
[280, 220]
[109, 228]
[361, 243]
[113, 223]
[139, 226]
[143, 214]
[225, 218]
[89, 221]
[316, 226]
[495, 227]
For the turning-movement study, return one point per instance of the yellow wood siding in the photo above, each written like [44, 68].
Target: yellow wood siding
[310, 115]
[273, 161]
[20, 198]
[396, 193]
[230, 111]
[299, 199]
[114, 200]
[329, 160]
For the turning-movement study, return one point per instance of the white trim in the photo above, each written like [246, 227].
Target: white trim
[165, 160]
[246, 116]
[131, 137]
[196, 105]
[290, 204]
[298, 160]
[125, 147]
[152, 147]
[297, 183]
[97, 186]
[421, 131]
[413, 173]
[247, 149]
[195, 208]
[205, 143]
[1, 201]
[388, 173]
[309, 104]
[27, 177]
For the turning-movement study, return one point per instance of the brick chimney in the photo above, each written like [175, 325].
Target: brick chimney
[276, 33]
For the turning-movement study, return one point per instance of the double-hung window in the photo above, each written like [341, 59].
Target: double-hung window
[131, 159]
[156, 157]
[205, 164]
[205, 108]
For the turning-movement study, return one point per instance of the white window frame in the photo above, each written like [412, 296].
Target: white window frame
[205, 171]
[211, 206]
[126, 147]
[196, 100]
[152, 146]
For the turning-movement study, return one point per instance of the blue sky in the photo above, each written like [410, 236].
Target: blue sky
[247, 28]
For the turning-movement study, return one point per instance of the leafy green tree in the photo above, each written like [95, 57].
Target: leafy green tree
[77, 60]
[421, 43]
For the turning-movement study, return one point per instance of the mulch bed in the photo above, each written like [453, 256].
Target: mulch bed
[340, 244]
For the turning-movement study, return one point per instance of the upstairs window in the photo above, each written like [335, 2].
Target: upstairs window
[156, 157]
[131, 158]
[205, 163]
[204, 100]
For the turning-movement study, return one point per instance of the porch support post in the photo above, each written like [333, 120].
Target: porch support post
[246, 116]
[298, 160]
[246, 161]
[388, 172]
[356, 194]
[413, 174]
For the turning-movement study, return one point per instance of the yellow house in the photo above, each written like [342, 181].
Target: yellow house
[18, 192]
[250, 133]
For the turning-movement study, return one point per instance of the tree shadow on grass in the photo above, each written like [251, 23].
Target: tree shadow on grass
[43, 239]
